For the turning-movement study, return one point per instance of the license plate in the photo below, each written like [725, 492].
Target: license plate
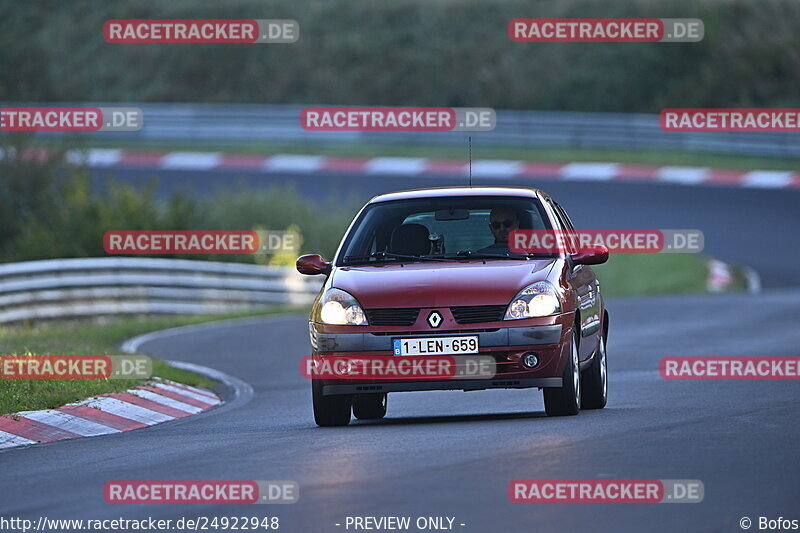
[436, 345]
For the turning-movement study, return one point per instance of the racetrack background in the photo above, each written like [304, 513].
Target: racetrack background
[436, 453]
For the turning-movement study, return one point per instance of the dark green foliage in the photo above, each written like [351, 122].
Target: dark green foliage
[49, 209]
[407, 52]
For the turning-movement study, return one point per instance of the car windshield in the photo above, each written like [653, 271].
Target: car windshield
[441, 229]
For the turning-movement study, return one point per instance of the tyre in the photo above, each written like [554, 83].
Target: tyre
[329, 410]
[594, 380]
[566, 400]
[369, 406]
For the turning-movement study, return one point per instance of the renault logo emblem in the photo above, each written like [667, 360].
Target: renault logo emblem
[435, 319]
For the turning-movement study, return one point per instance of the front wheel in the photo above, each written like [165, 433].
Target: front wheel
[566, 400]
[369, 406]
[329, 410]
[594, 380]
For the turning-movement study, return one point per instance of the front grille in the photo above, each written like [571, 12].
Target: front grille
[392, 317]
[437, 332]
[478, 313]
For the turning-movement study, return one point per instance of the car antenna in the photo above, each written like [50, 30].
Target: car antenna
[470, 161]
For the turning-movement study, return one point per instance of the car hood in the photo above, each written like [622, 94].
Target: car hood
[440, 284]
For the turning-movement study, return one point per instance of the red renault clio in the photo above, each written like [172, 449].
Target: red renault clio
[435, 264]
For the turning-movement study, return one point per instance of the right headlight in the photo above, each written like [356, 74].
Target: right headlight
[341, 308]
[538, 299]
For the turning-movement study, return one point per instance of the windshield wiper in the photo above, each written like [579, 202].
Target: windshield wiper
[384, 255]
[485, 255]
[348, 259]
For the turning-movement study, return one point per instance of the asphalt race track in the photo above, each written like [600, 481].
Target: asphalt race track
[454, 453]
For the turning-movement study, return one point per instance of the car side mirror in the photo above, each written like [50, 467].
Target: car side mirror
[595, 257]
[312, 264]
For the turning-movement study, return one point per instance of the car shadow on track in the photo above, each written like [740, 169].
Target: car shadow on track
[408, 420]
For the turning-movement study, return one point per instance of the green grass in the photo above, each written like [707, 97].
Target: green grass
[82, 338]
[557, 155]
[657, 274]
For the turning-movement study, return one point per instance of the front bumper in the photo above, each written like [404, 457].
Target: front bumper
[505, 344]
[382, 342]
[466, 385]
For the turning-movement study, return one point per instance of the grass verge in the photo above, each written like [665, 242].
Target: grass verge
[82, 338]
[626, 275]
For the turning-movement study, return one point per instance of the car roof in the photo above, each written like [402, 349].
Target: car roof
[437, 192]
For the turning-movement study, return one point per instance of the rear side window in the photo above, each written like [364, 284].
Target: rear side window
[562, 218]
[564, 215]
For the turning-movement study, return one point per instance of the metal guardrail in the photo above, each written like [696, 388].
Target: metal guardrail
[72, 288]
[235, 123]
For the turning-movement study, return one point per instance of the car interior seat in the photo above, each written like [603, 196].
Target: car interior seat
[410, 239]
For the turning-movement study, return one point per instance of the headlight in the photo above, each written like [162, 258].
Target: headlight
[340, 308]
[539, 299]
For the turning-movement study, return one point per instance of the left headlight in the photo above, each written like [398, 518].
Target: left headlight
[340, 308]
[539, 299]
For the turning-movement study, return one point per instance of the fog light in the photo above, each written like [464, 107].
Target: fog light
[530, 360]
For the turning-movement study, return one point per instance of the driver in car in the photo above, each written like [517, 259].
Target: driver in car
[502, 221]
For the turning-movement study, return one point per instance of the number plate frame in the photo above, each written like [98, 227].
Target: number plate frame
[398, 347]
